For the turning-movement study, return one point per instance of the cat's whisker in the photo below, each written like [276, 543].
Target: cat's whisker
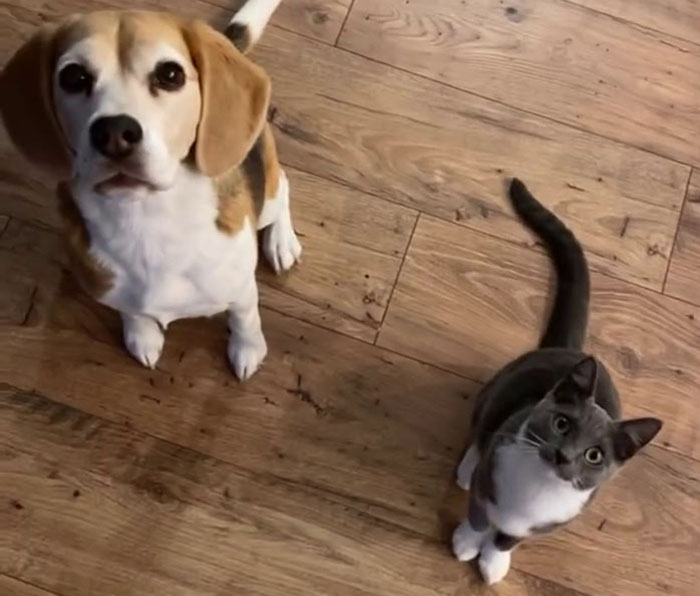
[536, 436]
[517, 439]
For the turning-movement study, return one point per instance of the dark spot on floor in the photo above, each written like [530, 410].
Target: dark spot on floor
[16, 504]
[76, 493]
[319, 18]
[513, 14]
[629, 359]
[156, 490]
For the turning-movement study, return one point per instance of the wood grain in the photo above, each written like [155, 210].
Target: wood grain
[353, 248]
[684, 271]
[31, 261]
[14, 587]
[447, 153]
[549, 57]
[325, 410]
[477, 302]
[320, 19]
[172, 521]
[680, 18]
[69, 472]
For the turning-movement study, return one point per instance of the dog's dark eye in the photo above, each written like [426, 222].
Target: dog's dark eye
[75, 78]
[561, 424]
[169, 76]
[594, 456]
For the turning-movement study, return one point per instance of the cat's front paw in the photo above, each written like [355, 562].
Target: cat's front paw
[466, 542]
[494, 564]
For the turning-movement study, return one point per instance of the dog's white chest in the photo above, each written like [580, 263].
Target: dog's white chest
[168, 258]
[529, 494]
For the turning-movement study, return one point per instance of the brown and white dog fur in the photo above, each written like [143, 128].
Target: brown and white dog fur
[162, 215]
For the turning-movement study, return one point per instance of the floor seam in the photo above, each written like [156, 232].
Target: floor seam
[398, 276]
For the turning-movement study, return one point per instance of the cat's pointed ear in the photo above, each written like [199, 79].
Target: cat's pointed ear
[579, 383]
[631, 435]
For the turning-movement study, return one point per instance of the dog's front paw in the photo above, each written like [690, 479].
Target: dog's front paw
[246, 356]
[494, 564]
[143, 339]
[466, 542]
[281, 245]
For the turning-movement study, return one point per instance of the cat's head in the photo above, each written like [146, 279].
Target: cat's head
[577, 437]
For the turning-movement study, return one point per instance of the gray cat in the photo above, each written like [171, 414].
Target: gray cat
[546, 429]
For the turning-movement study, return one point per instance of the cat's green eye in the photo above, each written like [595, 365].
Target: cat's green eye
[594, 456]
[561, 424]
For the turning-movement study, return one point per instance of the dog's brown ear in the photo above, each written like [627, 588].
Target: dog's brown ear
[235, 96]
[26, 103]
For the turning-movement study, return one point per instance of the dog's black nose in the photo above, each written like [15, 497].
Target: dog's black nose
[115, 136]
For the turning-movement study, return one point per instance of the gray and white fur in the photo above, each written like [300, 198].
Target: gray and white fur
[547, 428]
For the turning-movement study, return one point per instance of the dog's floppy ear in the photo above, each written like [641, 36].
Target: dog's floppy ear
[26, 103]
[235, 95]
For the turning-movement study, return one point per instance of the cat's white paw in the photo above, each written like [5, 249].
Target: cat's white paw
[494, 564]
[466, 468]
[466, 542]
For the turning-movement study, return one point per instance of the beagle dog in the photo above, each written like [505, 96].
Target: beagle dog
[156, 128]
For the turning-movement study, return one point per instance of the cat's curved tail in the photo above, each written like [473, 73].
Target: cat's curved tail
[569, 317]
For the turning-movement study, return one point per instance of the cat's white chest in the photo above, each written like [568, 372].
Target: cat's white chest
[168, 258]
[529, 494]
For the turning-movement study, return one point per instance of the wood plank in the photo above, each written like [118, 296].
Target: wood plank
[680, 18]
[684, 271]
[31, 261]
[446, 153]
[517, 584]
[99, 508]
[549, 57]
[477, 302]
[172, 495]
[353, 248]
[320, 19]
[14, 587]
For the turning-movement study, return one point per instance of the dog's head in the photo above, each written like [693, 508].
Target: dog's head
[119, 99]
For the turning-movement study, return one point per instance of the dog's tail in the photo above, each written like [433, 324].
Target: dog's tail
[249, 22]
[569, 318]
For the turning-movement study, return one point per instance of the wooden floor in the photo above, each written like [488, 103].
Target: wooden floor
[330, 473]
